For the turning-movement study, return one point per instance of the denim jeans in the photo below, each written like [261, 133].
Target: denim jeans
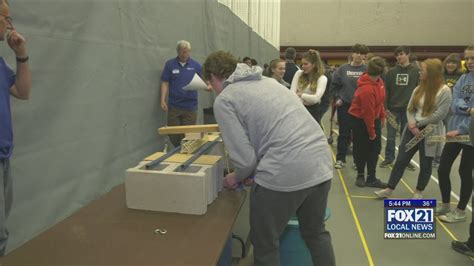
[401, 118]
[403, 159]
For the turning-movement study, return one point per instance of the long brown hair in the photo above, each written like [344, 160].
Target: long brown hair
[429, 87]
[454, 58]
[311, 79]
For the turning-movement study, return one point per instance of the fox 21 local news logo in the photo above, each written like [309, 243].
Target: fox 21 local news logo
[409, 219]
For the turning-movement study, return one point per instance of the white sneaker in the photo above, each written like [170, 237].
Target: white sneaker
[383, 193]
[441, 210]
[339, 164]
[417, 196]
[455, 216]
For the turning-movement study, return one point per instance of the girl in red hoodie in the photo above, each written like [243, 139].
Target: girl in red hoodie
[367, 115]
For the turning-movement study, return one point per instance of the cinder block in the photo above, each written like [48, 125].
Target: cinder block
[167, 190]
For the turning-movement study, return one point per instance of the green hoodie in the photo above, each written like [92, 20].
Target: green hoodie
[399, 84]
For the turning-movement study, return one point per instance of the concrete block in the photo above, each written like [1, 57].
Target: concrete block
[167, 190]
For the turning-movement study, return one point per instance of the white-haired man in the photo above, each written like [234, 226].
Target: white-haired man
[181, 105]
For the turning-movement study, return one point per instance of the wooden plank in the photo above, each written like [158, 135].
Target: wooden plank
[188, 129]
[181, 158]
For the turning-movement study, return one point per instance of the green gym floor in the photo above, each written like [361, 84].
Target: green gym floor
[357, 221]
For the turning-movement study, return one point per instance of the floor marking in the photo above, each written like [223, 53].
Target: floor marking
[454, 195]
[354, 215]
[409, 189]
[364, 197]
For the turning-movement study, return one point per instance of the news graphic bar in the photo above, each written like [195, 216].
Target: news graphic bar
[409, 219]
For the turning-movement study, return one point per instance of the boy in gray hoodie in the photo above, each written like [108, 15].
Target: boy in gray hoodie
[270, 135]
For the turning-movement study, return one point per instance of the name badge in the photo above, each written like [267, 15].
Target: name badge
[175, 71]
[190, 68]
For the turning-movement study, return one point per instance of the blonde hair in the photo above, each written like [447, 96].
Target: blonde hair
[311, 79]
[429, 87]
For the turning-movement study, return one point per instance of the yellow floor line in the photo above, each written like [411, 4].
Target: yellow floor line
[439, 221]
[364, 197]
[445, 228]
[354, 215]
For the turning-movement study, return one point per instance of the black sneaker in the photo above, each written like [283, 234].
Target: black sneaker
[411, 167]
[462, 248]
[376, 183]
[386, 164]
[360, 182]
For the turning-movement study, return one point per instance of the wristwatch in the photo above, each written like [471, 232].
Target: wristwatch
[22, 60]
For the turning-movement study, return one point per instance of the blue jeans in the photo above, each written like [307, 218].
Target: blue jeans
[6, 199]
[403, 159]
[401, 118]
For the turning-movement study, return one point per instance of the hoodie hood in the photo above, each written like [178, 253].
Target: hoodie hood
[366, 80]
[244, 73]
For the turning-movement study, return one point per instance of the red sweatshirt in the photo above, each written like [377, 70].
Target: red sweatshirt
[367, 103]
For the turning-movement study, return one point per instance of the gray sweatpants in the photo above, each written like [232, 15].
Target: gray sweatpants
[270, 212]
[6, 199]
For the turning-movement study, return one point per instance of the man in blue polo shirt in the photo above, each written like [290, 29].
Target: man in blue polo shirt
[19, 86]
[181, 105]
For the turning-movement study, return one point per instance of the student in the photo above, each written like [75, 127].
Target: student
[310, 83]
[458, 124]
[270, 134]
[428, 106]
[367, 113]
[276, 70]
[290, 65]
[18, 86]
[452, 72]
[400, 81]
[452, 69]
[343, 85]
[467, 247]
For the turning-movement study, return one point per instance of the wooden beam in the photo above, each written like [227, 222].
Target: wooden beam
[188, 129]
[181, 158]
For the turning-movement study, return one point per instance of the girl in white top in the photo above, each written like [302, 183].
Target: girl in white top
[310, 82]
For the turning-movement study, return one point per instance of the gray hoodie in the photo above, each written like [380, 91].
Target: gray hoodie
[270, 134]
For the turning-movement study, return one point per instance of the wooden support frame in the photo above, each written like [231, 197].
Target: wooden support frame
[188, 129]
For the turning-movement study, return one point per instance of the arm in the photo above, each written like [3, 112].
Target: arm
[367, 100]
[165, 86]
[164, 95]
[236, 140]
[387, 90]
[411, 122]
[316, 98]
[294, 82]
[441, 109]
[22, 87]
[459, 106]
[336, 85]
